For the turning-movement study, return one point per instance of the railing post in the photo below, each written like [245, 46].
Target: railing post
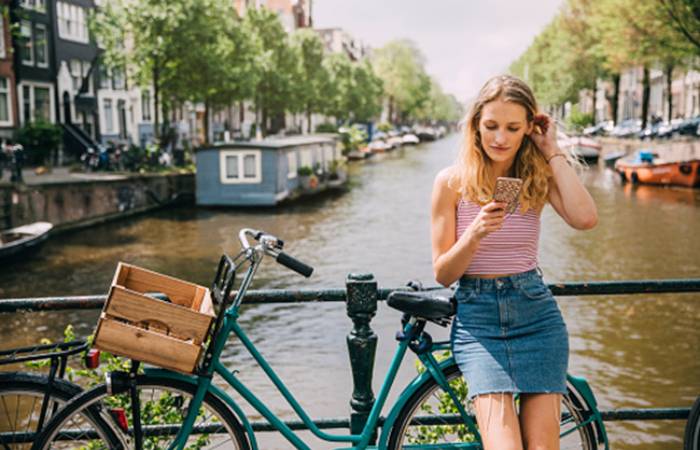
[362, 345]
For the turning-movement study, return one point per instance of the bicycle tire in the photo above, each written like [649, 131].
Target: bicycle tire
[431, 400]
[691, 437]
[21, 398]
[162, 400]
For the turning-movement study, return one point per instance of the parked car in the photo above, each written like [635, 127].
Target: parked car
[689, 127]
[600, 129]
[667, 130]
[627, 128]
[652, 130]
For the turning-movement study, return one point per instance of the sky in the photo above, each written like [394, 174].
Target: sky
[464, 42]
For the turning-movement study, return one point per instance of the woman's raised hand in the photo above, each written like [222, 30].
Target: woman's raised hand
[489, 219]
[544, 135]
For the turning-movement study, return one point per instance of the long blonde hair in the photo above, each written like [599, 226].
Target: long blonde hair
[474, 177]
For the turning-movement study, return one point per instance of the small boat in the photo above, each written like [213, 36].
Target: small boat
[581, 147]
[379, 146]
[647, 168]
[360, 154]
[410, 139]
[17, 241]
[611, 158]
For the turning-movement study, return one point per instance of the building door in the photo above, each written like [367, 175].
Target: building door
[66, 108]
[121, 110]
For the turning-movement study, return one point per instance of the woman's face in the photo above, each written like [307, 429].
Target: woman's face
[503, 126]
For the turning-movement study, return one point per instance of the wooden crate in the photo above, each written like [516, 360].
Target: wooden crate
[157, 332]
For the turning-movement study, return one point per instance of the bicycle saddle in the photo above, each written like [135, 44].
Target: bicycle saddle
[437, 306]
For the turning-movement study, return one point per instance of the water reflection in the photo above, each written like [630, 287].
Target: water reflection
[634, 350]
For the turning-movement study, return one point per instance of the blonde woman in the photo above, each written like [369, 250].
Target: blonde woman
[508, 335]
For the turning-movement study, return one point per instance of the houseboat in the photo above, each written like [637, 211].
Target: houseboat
[268, 172]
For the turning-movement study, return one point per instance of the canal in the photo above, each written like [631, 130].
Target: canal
[636, 351]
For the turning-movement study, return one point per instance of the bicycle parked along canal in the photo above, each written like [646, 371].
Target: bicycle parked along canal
[166, 409]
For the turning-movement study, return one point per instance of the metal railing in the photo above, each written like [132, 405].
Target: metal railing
[361, 295]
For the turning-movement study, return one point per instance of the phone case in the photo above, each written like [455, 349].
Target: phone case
[508, 191]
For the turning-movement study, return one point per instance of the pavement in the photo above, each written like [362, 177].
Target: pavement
[60, 175]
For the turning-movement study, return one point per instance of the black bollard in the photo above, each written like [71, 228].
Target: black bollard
[362, 345]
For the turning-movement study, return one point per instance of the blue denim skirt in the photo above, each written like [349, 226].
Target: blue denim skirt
[509, 336]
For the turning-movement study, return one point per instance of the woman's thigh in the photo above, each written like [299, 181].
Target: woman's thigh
[498, 421]
[540, 415]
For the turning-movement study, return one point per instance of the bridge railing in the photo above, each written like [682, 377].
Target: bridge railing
[361, 296]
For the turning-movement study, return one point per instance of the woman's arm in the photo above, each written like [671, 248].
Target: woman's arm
[569, 197]
[451, 256]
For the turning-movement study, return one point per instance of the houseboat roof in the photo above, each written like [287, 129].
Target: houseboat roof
[274, 143]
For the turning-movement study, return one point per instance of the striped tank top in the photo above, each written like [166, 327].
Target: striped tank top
[512, 249]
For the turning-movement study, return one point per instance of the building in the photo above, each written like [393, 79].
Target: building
[337, 40]
[8, 87]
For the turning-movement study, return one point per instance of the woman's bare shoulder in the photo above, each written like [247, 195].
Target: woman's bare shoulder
[443, 185]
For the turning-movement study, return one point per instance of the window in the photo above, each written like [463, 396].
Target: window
[118, 80]
[5, 102]
[72, 23]
[291, 164]
[36, 102]
[306, 158]
[2, 37]
[105, 79]
[26, 44]
[146, 105]
[109, 116]
[42, 43]
[327, 156]
[34, 4]
[240, 166]
[76, 74]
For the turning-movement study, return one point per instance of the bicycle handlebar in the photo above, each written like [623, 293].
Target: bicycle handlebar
[294, 264]
[272, 246]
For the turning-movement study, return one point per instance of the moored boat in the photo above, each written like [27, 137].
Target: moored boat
[647, 168]
[582, 147]
[611, 158]
[18, 241]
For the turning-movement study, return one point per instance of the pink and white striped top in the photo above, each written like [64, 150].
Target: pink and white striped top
[512, 249]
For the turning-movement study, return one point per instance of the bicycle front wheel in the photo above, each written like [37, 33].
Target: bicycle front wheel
[430, 420]
[691, 439]
[163, 407]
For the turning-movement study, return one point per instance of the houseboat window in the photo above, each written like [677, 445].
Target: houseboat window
[232, 166]
[41, 42]
[240, 166]
[291, 164]
[327, 156]
[306, 158]
[4, 101]
[26, 43]
[249, 166]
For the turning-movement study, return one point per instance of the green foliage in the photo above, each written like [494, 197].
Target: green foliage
[305, 171]
[312, 78]
[39, 140]
[326, 128]
[384, 126]
[577, 120]
[352, 138]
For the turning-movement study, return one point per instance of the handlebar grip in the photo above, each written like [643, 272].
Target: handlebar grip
[294, 264]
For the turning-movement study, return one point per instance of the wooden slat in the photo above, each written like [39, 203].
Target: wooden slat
[178, 291]
[134, 307]
[147, 346]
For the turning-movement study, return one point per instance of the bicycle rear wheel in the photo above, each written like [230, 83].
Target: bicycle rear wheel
[163, 407]
[430, 418]
[22, 396]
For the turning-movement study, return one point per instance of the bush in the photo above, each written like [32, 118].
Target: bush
[40, 140]
[326, 128]
[578, 120]
[352, 139]
[385, 127]
[305, 171]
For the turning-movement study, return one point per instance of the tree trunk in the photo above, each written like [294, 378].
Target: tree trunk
[595, 96]
[391, 110]
[308, 119]
[669, 93]
[645, 97]
[156, 101]
[616, 97]
[206, 122]
[263, 122]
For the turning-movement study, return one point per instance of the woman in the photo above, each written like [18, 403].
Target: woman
[508, 335]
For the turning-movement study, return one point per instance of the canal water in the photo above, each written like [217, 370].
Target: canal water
[637, 351]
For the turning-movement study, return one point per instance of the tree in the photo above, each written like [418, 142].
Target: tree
[311, 85]
[277, 67]
[365, 97]
[340, 86]
[685, 19]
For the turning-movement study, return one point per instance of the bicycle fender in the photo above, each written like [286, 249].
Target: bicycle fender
[215, 390]
[584, 389]
[403, 398]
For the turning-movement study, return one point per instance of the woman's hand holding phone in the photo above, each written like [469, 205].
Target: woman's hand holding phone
[489, 219]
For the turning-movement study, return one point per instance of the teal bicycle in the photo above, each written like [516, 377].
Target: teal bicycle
[151, 408]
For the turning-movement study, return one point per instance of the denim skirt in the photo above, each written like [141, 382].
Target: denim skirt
[509, 336]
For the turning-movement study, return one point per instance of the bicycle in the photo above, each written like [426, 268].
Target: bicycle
[28, 400]
[691, 436]
[176, 411]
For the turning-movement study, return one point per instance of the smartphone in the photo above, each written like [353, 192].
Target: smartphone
[508, 191]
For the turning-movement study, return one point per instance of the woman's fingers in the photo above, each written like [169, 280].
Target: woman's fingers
[493, 206]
